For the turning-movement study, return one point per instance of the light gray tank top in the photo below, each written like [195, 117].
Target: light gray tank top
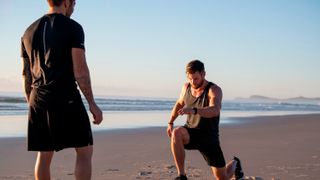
[207, 125]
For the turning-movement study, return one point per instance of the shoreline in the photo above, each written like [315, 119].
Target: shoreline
[15, 126]
[280, 147]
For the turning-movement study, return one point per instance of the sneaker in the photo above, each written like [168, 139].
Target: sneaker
[181, 177]
[238, 172]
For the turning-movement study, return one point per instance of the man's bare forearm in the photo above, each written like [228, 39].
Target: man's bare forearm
[84, 83]
[174, 113]
[208, 112]
[82, 74]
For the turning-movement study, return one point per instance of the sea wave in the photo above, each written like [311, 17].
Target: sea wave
[18, 106]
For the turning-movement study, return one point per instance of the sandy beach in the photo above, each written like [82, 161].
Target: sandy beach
[270, 147]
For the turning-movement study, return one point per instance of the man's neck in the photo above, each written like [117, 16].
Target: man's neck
[202, 87]
[57, 10]
[197, 92]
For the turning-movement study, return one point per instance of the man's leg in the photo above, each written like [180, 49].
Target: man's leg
[83, 166]
[42, 167]
[179, 137]
[225, 173]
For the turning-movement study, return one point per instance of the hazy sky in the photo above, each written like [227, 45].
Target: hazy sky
[141, 47]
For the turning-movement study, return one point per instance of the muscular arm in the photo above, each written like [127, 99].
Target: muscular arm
[82, 76]
[175, 110]
[215, 98]
[27, 79]
[179, 104]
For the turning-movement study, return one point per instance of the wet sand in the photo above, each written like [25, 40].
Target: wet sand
[270, 147]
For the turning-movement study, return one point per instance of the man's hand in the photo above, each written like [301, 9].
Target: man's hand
[186, 110]
[169, 130]
[97, 113]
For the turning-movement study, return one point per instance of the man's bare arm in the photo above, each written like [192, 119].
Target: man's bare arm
[215, 98]
[179, 104]
[213, 110]
[82, 76]
[174, 113]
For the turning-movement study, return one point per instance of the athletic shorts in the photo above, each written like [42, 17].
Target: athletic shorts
[209, 147]
[57, 124]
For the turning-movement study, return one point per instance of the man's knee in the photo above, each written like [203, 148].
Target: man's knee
[85, 152]
[179, 134]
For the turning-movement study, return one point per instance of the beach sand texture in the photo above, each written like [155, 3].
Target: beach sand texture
[271, 147]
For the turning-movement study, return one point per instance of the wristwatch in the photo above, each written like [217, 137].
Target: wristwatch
[195, 110]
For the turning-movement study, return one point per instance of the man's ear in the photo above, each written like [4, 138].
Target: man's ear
[203, 73]
[65, 4]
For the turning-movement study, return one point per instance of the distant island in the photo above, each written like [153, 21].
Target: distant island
[259, 98]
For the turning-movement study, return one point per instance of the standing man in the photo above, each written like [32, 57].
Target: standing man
[201, 101]
[54, 62]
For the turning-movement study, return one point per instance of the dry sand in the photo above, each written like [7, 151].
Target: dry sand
[271, 147]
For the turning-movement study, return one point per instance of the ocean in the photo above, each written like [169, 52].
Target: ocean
[124, 113]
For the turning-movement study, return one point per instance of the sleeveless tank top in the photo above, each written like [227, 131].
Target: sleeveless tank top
[208, 126]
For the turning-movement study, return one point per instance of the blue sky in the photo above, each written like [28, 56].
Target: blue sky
[140, 48]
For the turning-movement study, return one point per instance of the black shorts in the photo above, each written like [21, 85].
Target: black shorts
[55, 125]
[208, 146]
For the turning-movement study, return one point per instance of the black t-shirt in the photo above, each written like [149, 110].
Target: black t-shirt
[47, 45]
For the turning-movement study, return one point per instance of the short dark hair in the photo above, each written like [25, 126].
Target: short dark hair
[194, 66]
[57, 2]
